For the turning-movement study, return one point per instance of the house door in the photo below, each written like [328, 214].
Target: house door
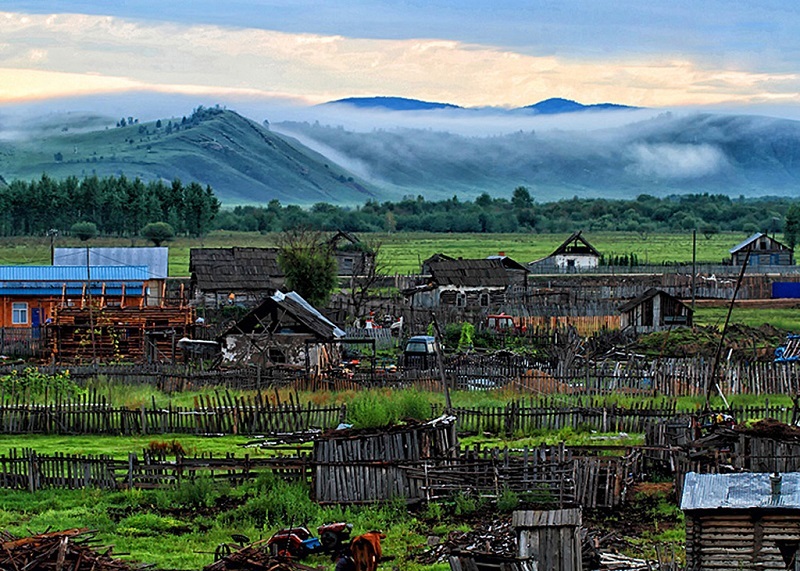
[36, 322]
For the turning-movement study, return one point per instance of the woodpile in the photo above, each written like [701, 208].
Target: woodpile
[252, 558]
[58, 551]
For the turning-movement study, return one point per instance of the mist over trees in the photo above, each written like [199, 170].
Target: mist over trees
[116, 205]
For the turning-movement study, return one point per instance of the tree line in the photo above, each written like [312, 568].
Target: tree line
[122, 206]
[116, 205]
[706, 213]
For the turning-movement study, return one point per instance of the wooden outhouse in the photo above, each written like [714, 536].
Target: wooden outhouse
[742, 521]
[552, 538]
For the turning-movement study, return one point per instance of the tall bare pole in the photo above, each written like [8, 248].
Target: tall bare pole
[694, 266]
[712, 380]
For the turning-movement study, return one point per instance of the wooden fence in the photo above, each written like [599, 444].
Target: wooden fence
[543, 375]
[221, 413]
[224, 413]
[552, 476]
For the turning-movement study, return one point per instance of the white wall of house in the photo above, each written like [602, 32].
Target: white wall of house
[577, 261]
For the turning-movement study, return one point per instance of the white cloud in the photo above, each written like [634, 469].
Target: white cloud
[103, 53]
[676, 161]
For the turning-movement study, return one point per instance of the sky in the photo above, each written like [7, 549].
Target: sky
[472, 53]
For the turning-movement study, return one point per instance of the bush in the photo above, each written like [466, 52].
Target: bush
[413, 404]
[508, 501]
[371, 410]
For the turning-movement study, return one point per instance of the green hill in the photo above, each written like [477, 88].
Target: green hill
[243, 161]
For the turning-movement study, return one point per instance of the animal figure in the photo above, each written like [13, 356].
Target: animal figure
[365, 550]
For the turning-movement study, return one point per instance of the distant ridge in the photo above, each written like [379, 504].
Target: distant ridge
[552, 106]
[392, 103]
[556, 105]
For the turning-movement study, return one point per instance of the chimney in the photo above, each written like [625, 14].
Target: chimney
[501, 254]
[775, 485]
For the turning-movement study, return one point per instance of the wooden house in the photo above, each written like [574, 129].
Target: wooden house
[469, 284]
[425, 268]
[156, 260]
[284, 329]
[742, 520]
[573, 255]
[29, 295]
[517, 273]
[764, 251]
[241, 276]
[654, 310]
[353, 257]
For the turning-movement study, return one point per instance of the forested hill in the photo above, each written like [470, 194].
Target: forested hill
[243, 162]
[732, 155]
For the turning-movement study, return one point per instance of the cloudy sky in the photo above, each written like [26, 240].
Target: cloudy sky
[468, 52]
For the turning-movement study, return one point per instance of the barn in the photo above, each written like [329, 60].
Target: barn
[742, 521]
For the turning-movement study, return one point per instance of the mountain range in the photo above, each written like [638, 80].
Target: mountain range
[307, 162]
[551, 106]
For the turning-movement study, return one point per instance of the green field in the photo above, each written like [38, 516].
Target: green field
[403, 252]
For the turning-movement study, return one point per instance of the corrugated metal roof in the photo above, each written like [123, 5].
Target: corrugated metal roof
[739, 491]
[156, 259]
[62, 274]
[746, 243]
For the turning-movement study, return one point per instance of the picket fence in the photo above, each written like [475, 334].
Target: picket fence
[552, 476]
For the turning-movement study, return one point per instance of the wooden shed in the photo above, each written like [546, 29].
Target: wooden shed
[654, 310]
[764, 251]
[241, 276]
[364, 466]
[552, 538]
[283, 329]
[742, 521]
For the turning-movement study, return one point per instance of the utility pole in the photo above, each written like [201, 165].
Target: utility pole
[694, 265]
[91, 310]
[53, 232]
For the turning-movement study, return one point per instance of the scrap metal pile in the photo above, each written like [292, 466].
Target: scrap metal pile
[255, 558]
[59, 550]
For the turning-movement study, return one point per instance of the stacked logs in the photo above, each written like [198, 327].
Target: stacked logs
[67, 550]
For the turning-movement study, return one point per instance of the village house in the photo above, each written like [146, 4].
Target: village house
[30, 294]
[353, 257]
[742, 520]
[573, 255]
[654, 310]
[764, 251]
[475, 284]
[233, 276]
[155, 259]
[284, 329]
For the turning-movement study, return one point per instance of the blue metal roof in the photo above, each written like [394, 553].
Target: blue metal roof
[61, 274]
[746, 243]
[739, 491]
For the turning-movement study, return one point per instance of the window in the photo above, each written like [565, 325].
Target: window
[19, 313]
[484, 300]
[461, 299]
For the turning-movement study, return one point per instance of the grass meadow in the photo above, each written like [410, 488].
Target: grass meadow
[403, 252]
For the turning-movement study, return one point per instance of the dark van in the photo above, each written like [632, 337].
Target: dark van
[420, 352]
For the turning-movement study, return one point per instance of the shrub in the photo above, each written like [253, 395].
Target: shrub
[371, 410]
[413, 404]
[508, 500]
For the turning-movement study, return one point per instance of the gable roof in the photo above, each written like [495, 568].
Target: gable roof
[754, 238]
[649, 294]
[508, 263]
[570, 246]
[228, 269]
[270, 311]
[470, 273]
[739, 491]
[156, 259]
